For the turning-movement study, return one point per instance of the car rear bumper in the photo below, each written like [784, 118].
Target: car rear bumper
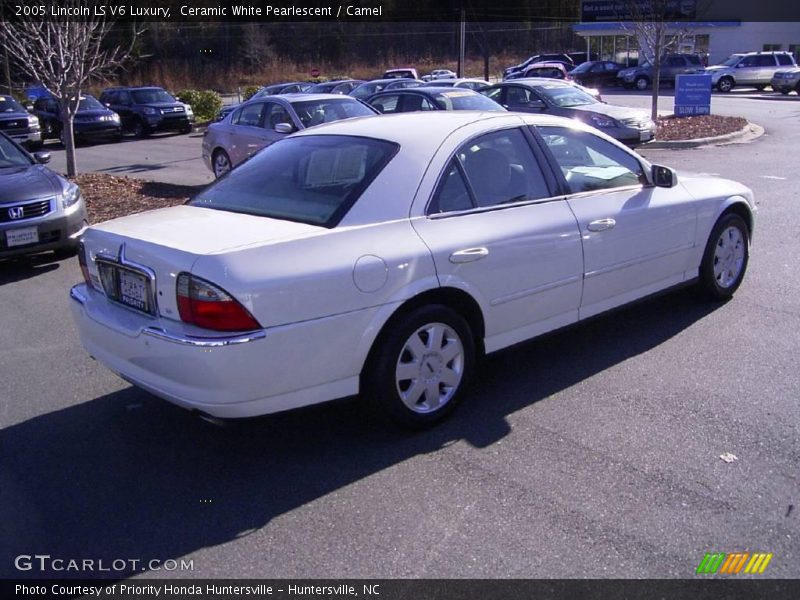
[54, 233]
[228, 375]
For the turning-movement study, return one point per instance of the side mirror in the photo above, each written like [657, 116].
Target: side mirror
[664, 177]
[42, 157]
[284, 128]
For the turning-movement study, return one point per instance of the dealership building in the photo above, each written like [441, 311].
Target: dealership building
[609, 34]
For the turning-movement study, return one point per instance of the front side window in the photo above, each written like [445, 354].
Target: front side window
[387, 104]
[10, 155]
[500, 168]
[589, 162]
[275, 113]
[308, 179]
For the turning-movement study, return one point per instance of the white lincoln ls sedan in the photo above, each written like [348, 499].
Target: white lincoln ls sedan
[385, 255]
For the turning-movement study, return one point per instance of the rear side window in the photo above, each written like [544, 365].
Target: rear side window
[765, 60]
[499, 167]
[784, 59]
[250, 115]
[693, 60]
[308, 179]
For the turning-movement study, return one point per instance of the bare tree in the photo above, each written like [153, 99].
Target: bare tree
[65, 54]
[654, 24]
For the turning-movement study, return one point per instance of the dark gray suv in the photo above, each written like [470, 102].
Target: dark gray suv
[672, 65]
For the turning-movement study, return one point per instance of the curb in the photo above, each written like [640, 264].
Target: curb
[751, 131]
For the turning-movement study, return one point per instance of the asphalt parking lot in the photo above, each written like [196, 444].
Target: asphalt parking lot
[593, 452]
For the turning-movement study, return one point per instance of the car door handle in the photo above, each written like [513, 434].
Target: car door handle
[601, 224]
[468, 255]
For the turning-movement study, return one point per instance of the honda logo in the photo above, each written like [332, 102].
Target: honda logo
[16, 212]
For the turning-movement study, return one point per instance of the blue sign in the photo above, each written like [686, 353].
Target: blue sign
[692, 95]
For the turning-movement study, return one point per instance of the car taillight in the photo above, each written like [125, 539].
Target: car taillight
[82, 262]
[209, 306]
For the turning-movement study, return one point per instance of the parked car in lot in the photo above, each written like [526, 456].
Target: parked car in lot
[596, 73]
[39, 209]
[551, 70]
[560, 98]
[517, 71]
[275, 89]
[672, 65]
[146, 109]
[18, 124]
[365, 90]
[437, 74]
[262, 121]
[404, 73]
[431, 98]
[92, 122]
[341, 86]
[464, 82]
[363, 257]
[786, 80]
[751, 69]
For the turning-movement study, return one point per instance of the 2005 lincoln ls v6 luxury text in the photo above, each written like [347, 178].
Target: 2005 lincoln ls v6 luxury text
[384, 255]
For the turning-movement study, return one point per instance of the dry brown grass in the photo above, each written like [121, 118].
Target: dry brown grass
[176, 75]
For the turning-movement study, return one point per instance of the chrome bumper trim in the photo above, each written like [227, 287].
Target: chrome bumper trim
[204, 342]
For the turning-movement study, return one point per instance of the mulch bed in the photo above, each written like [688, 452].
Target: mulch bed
[671, 128]
[111, 196]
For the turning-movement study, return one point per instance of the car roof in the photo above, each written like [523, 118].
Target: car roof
[404, 128]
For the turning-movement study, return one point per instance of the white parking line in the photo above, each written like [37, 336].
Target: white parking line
[772, 177]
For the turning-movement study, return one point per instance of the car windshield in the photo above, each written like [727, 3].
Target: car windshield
[89, 103]
[566, 96]
[316, 112]
[11, 156]
[308, 179]
[582, 68]
[465, 100]
[9, 105]
[732, 60]
[151, 96]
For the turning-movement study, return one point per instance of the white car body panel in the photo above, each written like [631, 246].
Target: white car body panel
[322, 296]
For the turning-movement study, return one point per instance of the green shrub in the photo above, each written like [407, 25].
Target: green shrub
[249, 91]
[205, 104]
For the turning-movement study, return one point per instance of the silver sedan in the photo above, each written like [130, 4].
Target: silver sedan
[263, 121]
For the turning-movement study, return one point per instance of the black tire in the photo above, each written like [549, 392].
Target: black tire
[218, 159]
[47, 130]
[34, 146]
[641, 83]
[785, 91]
[760, 88]
[382, 381]
[725, 84]
[717, 281]
[185, 130]
[139, 129]
[797, 88]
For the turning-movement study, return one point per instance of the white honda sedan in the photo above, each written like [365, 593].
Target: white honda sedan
[383, 256]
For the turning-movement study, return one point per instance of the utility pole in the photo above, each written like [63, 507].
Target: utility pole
[462, 38]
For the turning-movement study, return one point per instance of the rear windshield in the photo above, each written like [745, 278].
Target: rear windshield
[151, 96]
[308, 179]
[465, 100]
[316, 112]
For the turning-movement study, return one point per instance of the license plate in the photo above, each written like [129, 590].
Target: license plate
[21, 237]
[133, 289]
